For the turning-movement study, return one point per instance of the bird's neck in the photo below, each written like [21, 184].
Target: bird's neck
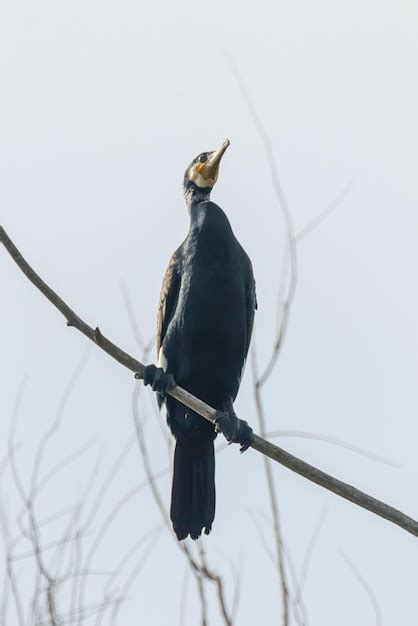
[194, 194]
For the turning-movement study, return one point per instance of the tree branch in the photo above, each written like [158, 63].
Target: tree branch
[261, 445]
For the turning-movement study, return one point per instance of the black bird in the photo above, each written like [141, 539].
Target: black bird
[204, 325]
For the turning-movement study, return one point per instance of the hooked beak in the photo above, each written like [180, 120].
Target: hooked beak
[212, 164]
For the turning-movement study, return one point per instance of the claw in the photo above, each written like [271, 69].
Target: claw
[160, 381]
[234, 429]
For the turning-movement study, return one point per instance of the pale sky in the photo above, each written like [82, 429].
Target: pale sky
[102, 107]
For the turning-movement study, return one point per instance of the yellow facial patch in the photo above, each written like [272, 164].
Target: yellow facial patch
[199, 175]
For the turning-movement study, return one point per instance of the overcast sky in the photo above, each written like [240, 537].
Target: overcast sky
[102, 107]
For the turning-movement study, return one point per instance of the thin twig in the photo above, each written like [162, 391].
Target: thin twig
[184, 590]
[47, 478]
[134, 574]
[298, 609]
[285, 300]
[292, 239]
[208, 573]
[236, 573]
[9, 568]
[200, 582]
[303, 434]
[107, 592]
[266, 545]
[288, 219]
[336, 442]
[67, 537]
[145, 349]
[280, 565]
[5, 598]
[366, 587]
[333, 205]
[132, 318]
[106, 525]
[308, 555]
[69, 388]
[43, 599]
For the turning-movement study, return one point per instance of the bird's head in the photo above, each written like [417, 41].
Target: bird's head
[202, 174]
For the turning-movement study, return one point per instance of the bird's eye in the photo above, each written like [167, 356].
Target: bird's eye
[201, 158]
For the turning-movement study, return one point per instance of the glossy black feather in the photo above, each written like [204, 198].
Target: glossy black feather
[205, 322]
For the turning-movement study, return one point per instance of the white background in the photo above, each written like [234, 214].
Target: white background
[103, 105]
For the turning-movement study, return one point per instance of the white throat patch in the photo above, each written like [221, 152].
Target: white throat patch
[162, 360]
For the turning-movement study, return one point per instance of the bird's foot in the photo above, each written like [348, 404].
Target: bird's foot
[160, 381]
[233, 429]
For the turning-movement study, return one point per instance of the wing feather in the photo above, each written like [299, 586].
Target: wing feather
[251, 309]
[168, 298]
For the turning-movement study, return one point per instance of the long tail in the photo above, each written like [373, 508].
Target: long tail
[193, 490]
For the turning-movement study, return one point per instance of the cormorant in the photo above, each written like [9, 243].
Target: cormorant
[204, 325]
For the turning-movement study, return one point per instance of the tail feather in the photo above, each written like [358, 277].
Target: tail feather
[193, 490]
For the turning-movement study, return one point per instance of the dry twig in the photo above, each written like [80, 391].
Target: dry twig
[47, 576]
[367, 588]
[289, 272]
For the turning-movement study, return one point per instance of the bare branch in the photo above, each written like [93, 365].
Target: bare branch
[107, 593]
[106, 525]
[5, 598]
[208, 573]
[62, 463]
[366, 587]
[291, 257]
[132, 318]
[55, 425]
[134, 574]
[111, 475]
[183, 601]
[10, 574]
[265, 543]
[48, 580]
[325, 213]
[261, 445]
[46, 479]
[200, 582]
[72, 319]
[298, 608]
[308, 555]
[285, 303]
[145, 350]
[237, 590]
[336, 442]
[280, 565]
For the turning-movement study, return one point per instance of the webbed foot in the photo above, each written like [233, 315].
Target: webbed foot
[234, 429]
[160, 381]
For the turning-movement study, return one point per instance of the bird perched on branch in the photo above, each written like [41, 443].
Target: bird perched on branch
[204, 325]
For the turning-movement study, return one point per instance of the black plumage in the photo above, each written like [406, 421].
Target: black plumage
[204, 327]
